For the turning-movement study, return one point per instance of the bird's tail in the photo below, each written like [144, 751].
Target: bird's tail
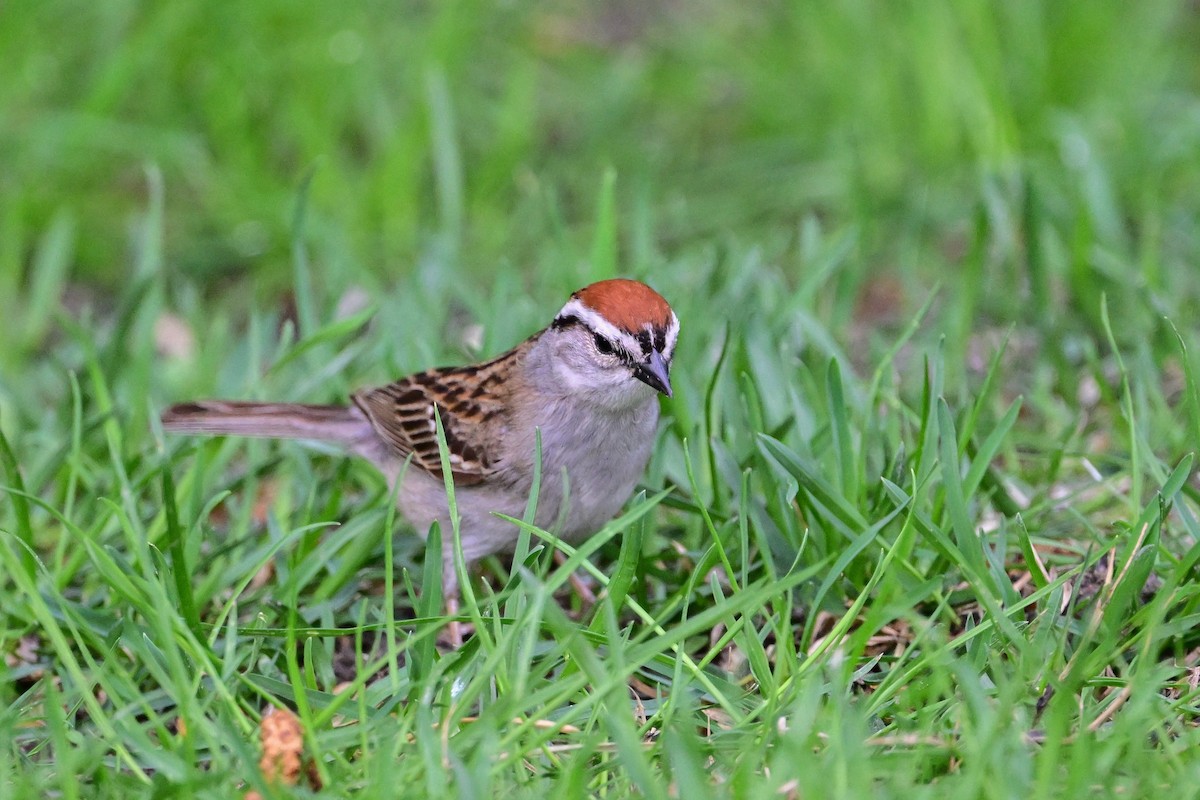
[344, 425]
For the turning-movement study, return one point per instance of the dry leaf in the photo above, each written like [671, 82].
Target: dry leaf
[282, 759]
[283, 747]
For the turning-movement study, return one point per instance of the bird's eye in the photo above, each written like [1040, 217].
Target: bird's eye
[603, 345]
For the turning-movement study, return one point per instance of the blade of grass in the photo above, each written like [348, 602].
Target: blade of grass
[603, 260]
[20, 505]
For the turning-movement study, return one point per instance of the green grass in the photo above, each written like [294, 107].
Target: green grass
[922, 521]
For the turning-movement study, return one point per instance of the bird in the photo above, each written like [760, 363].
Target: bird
[589, 383]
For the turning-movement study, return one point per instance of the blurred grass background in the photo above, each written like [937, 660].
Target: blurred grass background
[476, 133]
[881, 224]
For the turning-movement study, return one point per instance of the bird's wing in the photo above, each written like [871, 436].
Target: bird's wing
[471, 411]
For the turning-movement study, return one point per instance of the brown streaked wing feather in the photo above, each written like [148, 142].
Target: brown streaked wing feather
[402, 413]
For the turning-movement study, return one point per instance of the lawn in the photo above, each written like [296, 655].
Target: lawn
[922, 519]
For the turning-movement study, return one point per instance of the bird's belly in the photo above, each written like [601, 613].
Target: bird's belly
[587, 476]
[602, 464]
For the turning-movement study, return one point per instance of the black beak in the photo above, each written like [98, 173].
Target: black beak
[654, 373]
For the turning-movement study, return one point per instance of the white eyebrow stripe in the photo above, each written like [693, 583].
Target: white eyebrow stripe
[672, 337]
[598, 324]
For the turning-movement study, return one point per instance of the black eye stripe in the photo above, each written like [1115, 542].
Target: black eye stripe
[644, 340]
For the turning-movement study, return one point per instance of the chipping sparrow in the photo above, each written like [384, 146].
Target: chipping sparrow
[588, 382]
